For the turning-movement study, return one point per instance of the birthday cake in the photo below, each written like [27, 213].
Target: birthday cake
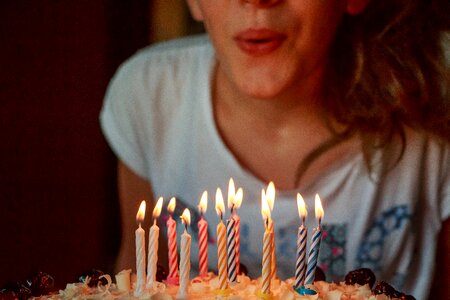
[358, 285]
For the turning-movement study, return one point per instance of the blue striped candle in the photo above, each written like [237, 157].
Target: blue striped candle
[314, 248]
[231, 250]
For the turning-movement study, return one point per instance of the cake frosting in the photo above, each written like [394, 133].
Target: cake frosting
[207, 287]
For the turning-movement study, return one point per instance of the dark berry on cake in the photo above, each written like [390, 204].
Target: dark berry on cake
[319, 275]
[94, 278]
[243, 270]
[384, 288]
[161, 273]
[40, 283]
[16, 290]
[360, 276]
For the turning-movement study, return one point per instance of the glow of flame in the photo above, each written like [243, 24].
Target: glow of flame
[302, 212]
[186, 217]
[265, 210]
[158, 207]
[238, 198]
[231, 193]
[141, 212]
[270, 195]
[171, 205]
[203, 202]
[220, 206]
[318, 208]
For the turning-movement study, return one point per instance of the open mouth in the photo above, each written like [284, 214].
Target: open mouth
[257, 42]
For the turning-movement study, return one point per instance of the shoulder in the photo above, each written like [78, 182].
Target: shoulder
[175, 55]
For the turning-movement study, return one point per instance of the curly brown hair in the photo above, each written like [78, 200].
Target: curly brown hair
[388, 70]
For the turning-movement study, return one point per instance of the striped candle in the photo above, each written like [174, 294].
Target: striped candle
[203, 247]
[153, 237]
[266, 276]
[172, 243]
[185, 257]
[203, 237]
[313, 255]
[237, 227]
[231, 250]
[222, 256]
[237, 204]
[221, 245]
[314, 248]
[140, 253]
[273, 272]
[266, 262]
[300, 266]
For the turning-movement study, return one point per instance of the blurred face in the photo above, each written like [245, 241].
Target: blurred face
[268, 48]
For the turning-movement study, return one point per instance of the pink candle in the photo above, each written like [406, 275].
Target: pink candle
[173, 276]
[237, 203]
[203, 237]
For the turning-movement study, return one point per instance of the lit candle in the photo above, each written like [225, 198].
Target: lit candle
[172, 243]
[140, 253]
[270, 196]
[203, 236]
[231, 235]
[267, 251]
[221, 244]
[300, 266]
[185, 257]
[315, 243]
[237, 225]
[153, 236]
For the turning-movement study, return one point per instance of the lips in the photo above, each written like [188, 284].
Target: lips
[258, 42]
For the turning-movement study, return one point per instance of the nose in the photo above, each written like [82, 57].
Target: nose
[263, 3]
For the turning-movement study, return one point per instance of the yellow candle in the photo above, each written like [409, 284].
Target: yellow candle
[221, 243]
[267, 250]
[270, 196]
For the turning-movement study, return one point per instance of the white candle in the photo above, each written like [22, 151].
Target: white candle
[140, 253]
[153, 236]
[185, 257]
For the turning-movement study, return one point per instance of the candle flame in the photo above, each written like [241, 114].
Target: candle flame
[270, 195]
[302, 212]
[203, 202]
[318, 208]
[141, 212]
[158, 207]
[220, 206]
[231, 193]
[238, 198]
[265, 209]
[186, 217]
[171, 205]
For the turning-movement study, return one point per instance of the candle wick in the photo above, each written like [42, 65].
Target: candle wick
[154, 221]
[201, 213]
[185, 227]
[221, 216]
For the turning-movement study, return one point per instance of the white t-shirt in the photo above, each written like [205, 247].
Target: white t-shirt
[158, 119]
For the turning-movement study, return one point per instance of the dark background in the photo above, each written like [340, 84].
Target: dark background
[58, 201]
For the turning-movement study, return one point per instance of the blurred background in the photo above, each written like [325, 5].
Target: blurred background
[58, 201]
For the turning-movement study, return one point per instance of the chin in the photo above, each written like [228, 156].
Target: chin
[260, 89]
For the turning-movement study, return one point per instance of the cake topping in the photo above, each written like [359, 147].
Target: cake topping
[93, 277]
[40, 283]
[361, 276]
